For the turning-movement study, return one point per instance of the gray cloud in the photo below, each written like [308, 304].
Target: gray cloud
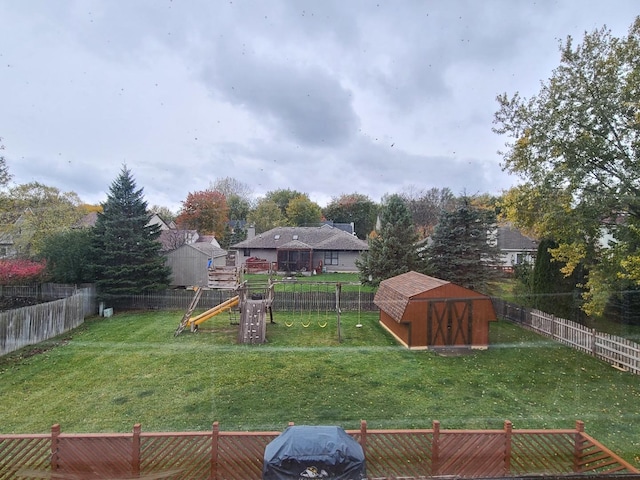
[324, 97]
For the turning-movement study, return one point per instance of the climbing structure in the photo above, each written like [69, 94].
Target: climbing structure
[255, 302]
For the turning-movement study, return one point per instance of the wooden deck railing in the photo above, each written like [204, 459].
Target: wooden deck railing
[220, 455]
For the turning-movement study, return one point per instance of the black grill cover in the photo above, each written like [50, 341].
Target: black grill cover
[304, 452]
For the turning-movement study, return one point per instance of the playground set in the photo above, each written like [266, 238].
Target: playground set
[253, 300]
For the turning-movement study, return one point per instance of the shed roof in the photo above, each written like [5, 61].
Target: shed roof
[394, 293]
[206, 249]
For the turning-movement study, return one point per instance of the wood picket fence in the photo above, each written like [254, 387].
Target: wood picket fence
[218, 455]
[620, 352]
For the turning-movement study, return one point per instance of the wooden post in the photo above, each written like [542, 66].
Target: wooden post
[594, 350]
[213, 475]
[363, 437]
[508, 428]
[135, 450]
[577, 447]
[435, 449]
[55, 433]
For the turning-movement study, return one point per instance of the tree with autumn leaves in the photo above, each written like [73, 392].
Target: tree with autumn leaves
[206, 211]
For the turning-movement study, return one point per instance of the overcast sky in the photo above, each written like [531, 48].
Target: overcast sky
[323, 97]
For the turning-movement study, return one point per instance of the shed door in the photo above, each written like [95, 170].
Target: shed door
[449, 322]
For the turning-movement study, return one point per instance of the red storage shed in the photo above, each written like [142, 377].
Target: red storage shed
[423, 312]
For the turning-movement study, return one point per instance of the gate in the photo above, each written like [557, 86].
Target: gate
[449, 322]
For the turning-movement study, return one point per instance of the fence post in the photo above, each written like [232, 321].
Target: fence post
[594, 350]
[577, 447]
[55, 434]
[135, 450]
[363, 437]
[214, 451]
[508, 429]
[435, 449]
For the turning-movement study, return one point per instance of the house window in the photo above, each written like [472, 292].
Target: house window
[331, 257]
[246, 252]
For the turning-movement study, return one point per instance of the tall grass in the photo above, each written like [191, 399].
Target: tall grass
[112, 373]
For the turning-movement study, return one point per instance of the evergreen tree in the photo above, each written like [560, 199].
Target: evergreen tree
[392, 251]
[463, 250]
[126, 251]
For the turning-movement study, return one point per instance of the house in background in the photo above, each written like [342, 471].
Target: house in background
[302, 249]
[515, 248]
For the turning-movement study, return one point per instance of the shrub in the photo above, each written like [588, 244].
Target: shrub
[21, 271]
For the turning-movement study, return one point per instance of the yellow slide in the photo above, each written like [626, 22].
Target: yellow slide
[223, 307]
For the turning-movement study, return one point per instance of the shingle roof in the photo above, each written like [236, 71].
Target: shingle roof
[324, 237]
[208, 249]
[510, 238]
[394, 293]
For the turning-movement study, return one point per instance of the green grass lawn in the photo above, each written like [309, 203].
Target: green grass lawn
[111, 373]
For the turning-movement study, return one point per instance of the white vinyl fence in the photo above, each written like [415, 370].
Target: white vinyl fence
[619, 352]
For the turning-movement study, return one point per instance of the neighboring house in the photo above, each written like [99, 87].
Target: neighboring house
[7, 246]
[299, 249]
[190, 263]
[515, 248]
[347, 227]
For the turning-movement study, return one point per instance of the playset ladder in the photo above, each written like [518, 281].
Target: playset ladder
[187, 315]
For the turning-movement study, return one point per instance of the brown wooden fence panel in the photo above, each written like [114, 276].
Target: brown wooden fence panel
[398, 453]
[241, 456]
[94, 456]
[471, 454]
[178, 455]
[541, 452]
[24, 453]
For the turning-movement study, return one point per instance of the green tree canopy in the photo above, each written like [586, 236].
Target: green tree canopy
[462, 249]
[301, 211]
[392, 251]
[281, 198]
[265, 216]
[33, 211]
[68, 256]
[576, 145]
[125, 250]
[356, 208]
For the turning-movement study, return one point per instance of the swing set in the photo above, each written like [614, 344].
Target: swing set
[317, 297]
[319, 301]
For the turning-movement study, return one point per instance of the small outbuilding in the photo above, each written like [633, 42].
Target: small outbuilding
[426, 312]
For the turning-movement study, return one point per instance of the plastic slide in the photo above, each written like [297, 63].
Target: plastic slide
[223, 307]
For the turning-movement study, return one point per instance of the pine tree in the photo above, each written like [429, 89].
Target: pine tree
[462, 250]
[127, 258]
[392, 251]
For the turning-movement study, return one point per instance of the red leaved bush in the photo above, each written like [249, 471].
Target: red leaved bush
[20, 271]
